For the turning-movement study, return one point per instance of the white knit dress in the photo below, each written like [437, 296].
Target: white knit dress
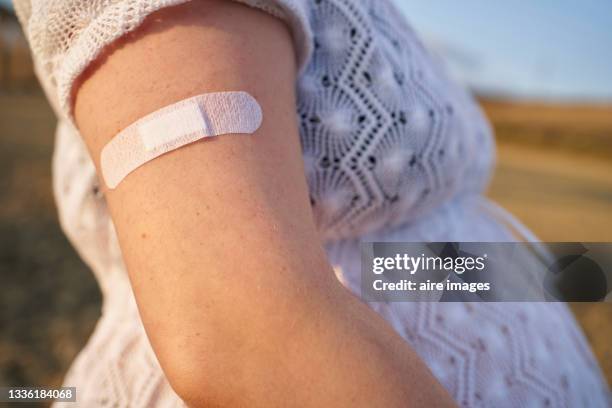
[393, 151]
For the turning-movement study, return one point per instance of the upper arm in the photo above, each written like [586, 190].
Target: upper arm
[219, 230]
[233, 286]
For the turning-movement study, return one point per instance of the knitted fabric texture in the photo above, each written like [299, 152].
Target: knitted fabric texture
[393, 151]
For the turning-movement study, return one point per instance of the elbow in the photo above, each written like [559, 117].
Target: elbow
[194, 386]
[201, 375]
[230, 355]
[226, 370]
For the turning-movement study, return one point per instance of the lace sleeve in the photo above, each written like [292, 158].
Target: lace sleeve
[65, 36]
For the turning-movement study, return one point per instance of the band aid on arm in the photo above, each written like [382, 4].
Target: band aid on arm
[176, 125]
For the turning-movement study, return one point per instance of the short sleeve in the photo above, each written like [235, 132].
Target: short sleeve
[65, 36]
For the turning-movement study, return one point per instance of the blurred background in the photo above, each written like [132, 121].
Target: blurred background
[541, 70]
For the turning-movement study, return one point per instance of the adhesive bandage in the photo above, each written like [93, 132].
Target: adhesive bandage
[176, 125]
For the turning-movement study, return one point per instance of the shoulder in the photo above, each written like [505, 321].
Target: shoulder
[66, 37]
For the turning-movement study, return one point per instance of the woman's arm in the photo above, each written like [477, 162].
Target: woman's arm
[234, 289]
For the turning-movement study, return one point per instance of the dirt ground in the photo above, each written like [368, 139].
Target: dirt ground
[49, 301]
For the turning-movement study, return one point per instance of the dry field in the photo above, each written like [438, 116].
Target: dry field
[555, 168]
[553, 172]
[49, 301]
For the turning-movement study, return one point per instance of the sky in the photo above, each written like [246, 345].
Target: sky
[539, 49]
[544, 49]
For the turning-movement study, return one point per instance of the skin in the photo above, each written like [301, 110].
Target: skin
[234, 289]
